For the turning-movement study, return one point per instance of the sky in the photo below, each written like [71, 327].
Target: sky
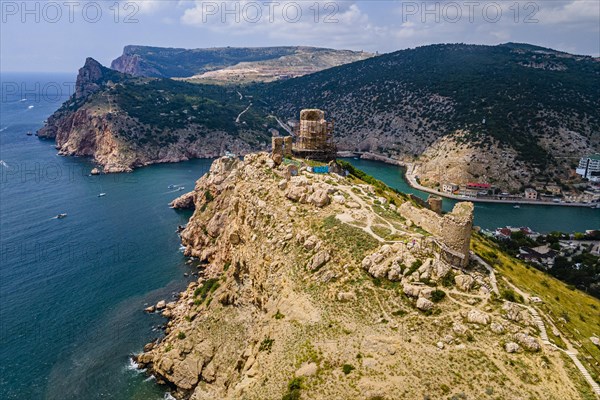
[57, 36]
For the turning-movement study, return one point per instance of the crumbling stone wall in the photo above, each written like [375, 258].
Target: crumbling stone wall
[453, 229]
[281, 147]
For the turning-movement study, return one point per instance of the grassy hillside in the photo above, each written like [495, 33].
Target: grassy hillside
[522, 96]
[575, 314]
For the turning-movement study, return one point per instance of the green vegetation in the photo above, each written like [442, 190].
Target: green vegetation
[181, 335]
[348, 238]
[577, 266]
[209, 286]
[278, 315]
[414, 266]
[266, 344]
[347, 368]
[497, 83]
[510, 295]
[182, 63]
[294, 388]
[559, 301]
[437, 295]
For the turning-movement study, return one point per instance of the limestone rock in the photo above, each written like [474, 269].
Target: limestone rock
[478, 317]
[464, 282]
[516, 313]
[346, 296]
[529, 343]
[423, 304]
[497, 328]
[318, 260]
[459, 328]
[319, 198]
[161, 304]
[311, 242]
[295, 193]
[339, 199]
[412, 290]
[512, 347]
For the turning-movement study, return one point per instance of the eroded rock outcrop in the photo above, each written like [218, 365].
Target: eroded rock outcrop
[294, 289]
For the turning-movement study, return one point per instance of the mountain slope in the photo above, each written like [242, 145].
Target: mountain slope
[184, 63]
[539, 106]
[511, 115]
[125, 122]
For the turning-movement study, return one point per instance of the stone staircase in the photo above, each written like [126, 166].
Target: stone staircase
[540, 323]
[573, 356]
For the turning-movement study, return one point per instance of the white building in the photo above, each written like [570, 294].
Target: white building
[589, 167]
[449, 188]
[530, 194]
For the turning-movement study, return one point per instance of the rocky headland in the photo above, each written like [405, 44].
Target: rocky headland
[323, 286]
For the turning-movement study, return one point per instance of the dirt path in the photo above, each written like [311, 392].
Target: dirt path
[571, 351]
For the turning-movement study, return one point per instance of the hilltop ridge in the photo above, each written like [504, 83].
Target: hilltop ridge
[320, 286]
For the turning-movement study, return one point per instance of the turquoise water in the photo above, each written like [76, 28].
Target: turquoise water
[490, 216]
[72, 290]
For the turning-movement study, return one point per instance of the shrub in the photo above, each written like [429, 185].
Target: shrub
[278, 315]
[347, 368]
[510, 295]
[294, 387]
[181, 335]
[266, 344]
[209, 286]
[448, 279]
[414, 266]
[437, 295]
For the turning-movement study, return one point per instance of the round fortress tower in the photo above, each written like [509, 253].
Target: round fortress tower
[314, 136]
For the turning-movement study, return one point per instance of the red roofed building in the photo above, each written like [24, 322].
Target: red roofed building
[478, 186]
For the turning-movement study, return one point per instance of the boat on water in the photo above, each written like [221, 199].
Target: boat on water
[171, 187]
[61, 216]
[180, 188]
[516, 206]
[29, 133]
[102, 195]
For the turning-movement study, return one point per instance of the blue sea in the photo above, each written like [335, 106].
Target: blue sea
[72, 290]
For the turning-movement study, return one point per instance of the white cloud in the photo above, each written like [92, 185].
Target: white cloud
[341, 24]
[571, 12]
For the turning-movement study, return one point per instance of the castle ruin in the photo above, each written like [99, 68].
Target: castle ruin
[453, 229]
[314, 136]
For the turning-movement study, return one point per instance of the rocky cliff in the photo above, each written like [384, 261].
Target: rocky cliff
[321, 287]
[113, 118]
[232, 64]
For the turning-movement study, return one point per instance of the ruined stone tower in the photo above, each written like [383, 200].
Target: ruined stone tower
[314, 136]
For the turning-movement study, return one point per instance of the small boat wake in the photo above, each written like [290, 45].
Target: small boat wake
[60, 216]
[176, 189]
[4, 164]
[30, 107]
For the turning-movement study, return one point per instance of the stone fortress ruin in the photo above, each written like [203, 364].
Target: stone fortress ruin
[313, 139]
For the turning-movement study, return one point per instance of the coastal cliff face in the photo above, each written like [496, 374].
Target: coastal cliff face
[320, 287]
[100, 121]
